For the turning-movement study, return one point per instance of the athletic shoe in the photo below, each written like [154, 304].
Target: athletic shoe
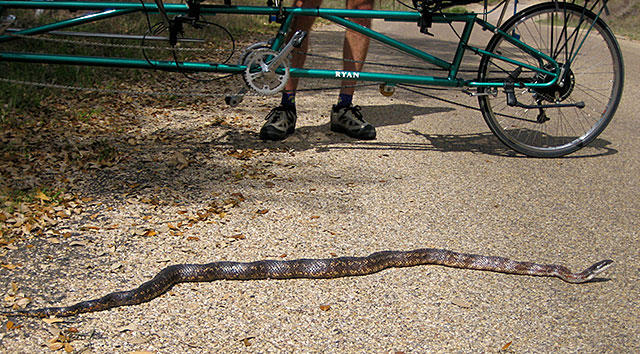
[281, 122]
[348, 120]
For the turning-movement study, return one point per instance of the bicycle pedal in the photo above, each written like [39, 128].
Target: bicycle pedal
[298, 38]
[387, 90]
[233, 100]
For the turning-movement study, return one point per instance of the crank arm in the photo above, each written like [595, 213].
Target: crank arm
[295, 42]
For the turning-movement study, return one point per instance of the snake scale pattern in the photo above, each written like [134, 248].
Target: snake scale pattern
[311, 268]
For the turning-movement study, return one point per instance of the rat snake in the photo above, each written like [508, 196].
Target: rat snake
[310, 268]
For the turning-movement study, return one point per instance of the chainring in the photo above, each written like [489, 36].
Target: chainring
[259, 78]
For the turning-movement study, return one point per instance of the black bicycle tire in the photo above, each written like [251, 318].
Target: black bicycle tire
[597, 128]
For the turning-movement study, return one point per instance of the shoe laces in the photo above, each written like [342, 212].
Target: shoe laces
[356, 111]
[277, 112]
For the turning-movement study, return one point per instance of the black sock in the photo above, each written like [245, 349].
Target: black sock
[344, 100]
[288, 100]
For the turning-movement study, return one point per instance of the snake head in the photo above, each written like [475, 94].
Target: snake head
[594, 270]
[600, 266]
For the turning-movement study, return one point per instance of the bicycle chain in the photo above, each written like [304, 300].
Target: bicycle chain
[164, 93]
[111, 45]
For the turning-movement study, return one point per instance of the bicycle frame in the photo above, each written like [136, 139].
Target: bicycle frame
[107, 10]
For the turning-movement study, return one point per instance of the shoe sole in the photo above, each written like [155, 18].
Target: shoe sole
[365, 135]
[270, 133]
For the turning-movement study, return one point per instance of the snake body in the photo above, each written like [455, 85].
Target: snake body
[314, 269]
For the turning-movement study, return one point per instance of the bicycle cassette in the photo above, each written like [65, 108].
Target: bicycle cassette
[263, 74]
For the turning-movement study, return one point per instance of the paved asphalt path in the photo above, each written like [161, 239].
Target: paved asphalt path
[435, 177]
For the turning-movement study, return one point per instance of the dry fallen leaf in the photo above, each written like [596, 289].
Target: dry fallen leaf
[325, 307]
[43, 197]
[56, 346]
[51, 320]
[8, 266]
[138, 340]
[460, 302]
[506, 346]
[22, 302]
[55, 332]
[130, 327]
[115, 266]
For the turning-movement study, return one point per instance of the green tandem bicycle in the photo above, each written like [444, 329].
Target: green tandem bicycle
[549, 79]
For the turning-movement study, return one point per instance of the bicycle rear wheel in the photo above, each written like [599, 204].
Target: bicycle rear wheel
[595, 76]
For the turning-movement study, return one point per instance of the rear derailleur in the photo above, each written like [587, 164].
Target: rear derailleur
[556, 93]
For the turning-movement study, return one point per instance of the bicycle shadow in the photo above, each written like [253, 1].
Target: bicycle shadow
[488, 143]
[321, 139]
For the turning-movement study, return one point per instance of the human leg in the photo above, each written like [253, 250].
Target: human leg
[346, 118]
[281, 120]
[355, 45]
[303, 23]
